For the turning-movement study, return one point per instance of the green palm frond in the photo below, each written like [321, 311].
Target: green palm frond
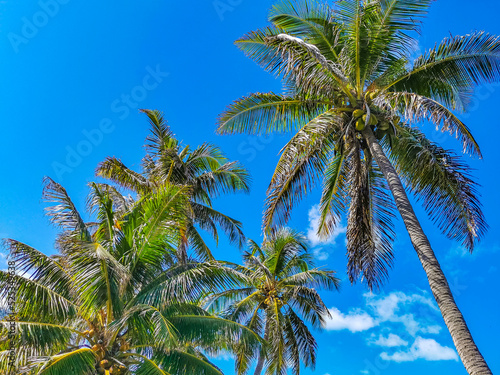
[417, 108]
[442, 181]
[79, 362]
[114, 170]
[188, 282]
[313, 278]
[40, 277]
[38, 299]
[148, 326]
[312, 20]
[44, 337]
[178, 361]
[333, 198]
[461, 61]
[264, 113]
[277, 299]
[161, 137]
[302, 160]
[148, 367]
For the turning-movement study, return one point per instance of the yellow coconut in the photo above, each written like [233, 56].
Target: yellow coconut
[105, 363]
[360, 125]
[358, 113]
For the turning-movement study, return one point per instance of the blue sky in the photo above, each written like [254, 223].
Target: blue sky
[72, 77]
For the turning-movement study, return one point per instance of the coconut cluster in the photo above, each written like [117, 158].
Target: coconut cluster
[382, 125]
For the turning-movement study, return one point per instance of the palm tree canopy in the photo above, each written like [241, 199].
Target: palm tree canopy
[205, 170]
[348, 67]
[113, 296]
[277, 300]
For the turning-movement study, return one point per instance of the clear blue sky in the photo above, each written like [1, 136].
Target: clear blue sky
[82, 69]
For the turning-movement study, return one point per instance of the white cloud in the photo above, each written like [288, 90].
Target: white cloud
[398, 307]
[427, 349]
[312, 236]
[390, 341]
[354, 321]
[396, 320]
[320, 254]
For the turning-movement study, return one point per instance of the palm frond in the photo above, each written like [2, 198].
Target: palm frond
[114, 170]
[370, 231]
[264, 113]
[64, 214]
[442, 180]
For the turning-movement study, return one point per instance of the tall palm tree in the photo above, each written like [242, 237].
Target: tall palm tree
[353, 97]
[279, 295]
[205, 170]
[108, 303]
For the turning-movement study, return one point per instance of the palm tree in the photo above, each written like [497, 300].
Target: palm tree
[279, 295]
[204, 169]
[353, 97]
[108, 303]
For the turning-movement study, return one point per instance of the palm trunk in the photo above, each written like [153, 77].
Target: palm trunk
[260, 364]
[469, 353]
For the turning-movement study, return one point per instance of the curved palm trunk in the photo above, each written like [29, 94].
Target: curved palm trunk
[469, 353]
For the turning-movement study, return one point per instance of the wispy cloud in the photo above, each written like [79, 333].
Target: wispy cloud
[354, 321]
[391, 341]
[399, 307]
[428, 349]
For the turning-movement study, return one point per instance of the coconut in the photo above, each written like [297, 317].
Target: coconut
[105, 364]
[373, 119]
[360, 125]
[358, 113]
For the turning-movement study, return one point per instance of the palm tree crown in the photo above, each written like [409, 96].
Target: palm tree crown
[279, 294]
[111, 302]
[347, 66]
[353, 96]
[205, 170]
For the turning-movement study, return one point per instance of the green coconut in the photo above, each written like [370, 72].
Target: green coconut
[357, 113]
[360, 125]
[373, 119]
